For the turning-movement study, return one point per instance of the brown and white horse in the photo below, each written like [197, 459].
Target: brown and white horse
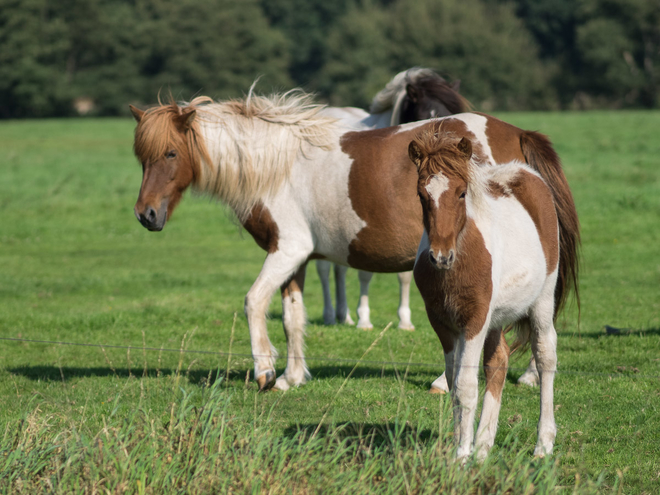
[307, 186]
[414, 94]
[489, 257]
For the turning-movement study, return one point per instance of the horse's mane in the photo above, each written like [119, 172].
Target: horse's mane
[440, 153]
[392, 95]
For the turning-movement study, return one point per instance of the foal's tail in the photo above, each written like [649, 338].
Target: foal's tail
[540, 155]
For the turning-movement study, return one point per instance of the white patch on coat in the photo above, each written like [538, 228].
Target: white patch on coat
[477, 125]
[437, 185]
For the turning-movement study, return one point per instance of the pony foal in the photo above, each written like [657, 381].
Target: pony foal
[488, 257]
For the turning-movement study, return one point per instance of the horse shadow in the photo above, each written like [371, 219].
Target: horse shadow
[370, 435]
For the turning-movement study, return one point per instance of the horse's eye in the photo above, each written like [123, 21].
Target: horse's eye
[171, 154]
[462, 196]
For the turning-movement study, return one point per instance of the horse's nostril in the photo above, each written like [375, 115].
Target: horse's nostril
[450, 258]
[151, 214]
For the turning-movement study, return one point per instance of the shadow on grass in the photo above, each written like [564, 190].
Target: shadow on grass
[368, 434]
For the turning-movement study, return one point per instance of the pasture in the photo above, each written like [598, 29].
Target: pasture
[77, 267]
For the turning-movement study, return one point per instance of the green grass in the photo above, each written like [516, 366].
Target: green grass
[76, 266]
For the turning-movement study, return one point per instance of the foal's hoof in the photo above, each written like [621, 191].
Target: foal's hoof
[437, 391]
[266, 381]
[409, 327]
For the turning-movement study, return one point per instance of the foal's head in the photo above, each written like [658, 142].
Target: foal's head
[166, 145]
[443, 165]
[431, 97]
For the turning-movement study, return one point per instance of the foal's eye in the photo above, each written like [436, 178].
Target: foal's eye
[171, 154]
[462, 196]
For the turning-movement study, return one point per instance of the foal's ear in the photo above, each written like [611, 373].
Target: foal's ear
[412, 93]
[137, 113]
[465, 147]
[187, 117]
[415, 154]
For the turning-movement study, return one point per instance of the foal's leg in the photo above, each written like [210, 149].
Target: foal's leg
[465, 391]
[404, 300]
[343, 314]
[277, 269]
[293, 320]
[544, 347]
[531, 375]
[363, 308]
[323, 269]
[496, 360]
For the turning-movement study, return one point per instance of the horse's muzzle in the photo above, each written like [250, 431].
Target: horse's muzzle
[441, 262]
[152, 219]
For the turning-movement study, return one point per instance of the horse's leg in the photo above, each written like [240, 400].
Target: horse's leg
[465, 390]
[293, 321]
[544, 347]
[442, 384]
[343, 314]
[404, 300]
[531, 375]
[363, 308]
[323, 269]
[496, 360]
[276, 270]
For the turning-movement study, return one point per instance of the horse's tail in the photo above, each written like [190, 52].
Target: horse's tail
[540, 155]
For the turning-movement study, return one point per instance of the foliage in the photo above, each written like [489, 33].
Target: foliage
[77, 267]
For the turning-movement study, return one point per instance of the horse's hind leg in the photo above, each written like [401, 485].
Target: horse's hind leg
[293, 320]
[277, 269]
[531, 375]
[544, 347]
[404, 300]
[343, 314]
[363, 308]
[496, 360]
[323, 269]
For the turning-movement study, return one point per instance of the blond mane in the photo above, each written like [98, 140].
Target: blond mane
[243, 149]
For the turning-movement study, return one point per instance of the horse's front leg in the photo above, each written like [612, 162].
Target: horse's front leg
[496, 361]
[323, 269]
[278, 268]
[465, 389]
[343, 314]
[293, 321]
[405, 322]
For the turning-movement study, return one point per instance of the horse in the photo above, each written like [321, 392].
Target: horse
[414, 94]
[489, 257]
[307, 186]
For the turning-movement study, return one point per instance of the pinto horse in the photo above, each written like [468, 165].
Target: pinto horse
[307, 186]
[489, 257]
[414, 94]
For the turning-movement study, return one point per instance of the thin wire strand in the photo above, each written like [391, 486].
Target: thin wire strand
[323, 358]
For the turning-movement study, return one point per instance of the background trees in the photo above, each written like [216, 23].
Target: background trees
[67, 57]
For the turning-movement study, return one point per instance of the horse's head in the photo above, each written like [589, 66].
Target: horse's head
[442, 187]
[163, 144]
[431, 97]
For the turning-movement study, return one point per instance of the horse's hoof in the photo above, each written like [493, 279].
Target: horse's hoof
[365, 326]
[266, 381]
[348, 321]
[409, 327]
[437, 391]
[529, 379]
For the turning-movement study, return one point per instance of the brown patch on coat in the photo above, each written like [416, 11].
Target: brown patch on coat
[457, 300]
[503, 139]
[536, 198]
[496, 362]
[262, 228]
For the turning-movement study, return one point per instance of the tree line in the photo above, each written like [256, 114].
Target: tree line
[69, 57]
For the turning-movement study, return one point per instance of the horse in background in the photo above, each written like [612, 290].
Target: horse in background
[412, 95]
[308, 186]
[489, 257]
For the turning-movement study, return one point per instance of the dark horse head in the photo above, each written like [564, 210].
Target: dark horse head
[429, 96]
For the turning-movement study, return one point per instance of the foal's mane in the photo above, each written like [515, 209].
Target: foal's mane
[440, 153]
[391, 97]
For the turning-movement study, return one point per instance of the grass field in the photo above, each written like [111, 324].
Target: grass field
[75, 266]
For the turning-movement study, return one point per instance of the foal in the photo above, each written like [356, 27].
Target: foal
[488, 258]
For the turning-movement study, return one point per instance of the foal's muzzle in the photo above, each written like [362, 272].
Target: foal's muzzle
[152, 219]
[441, 262]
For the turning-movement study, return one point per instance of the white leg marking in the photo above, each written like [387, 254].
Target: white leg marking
[405, 278]
[531, 375]
[363, 307]
[343, 314]
[323, 269]
[440, 386]
[487, 429]
[293, 320]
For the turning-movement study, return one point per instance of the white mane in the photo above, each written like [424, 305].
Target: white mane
[392, 95]
[253, 143]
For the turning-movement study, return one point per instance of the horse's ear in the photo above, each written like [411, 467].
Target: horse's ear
[415, 154]
[465, 147]
[456, 85]
[412, 93]
[137, 113]
[186, 118]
